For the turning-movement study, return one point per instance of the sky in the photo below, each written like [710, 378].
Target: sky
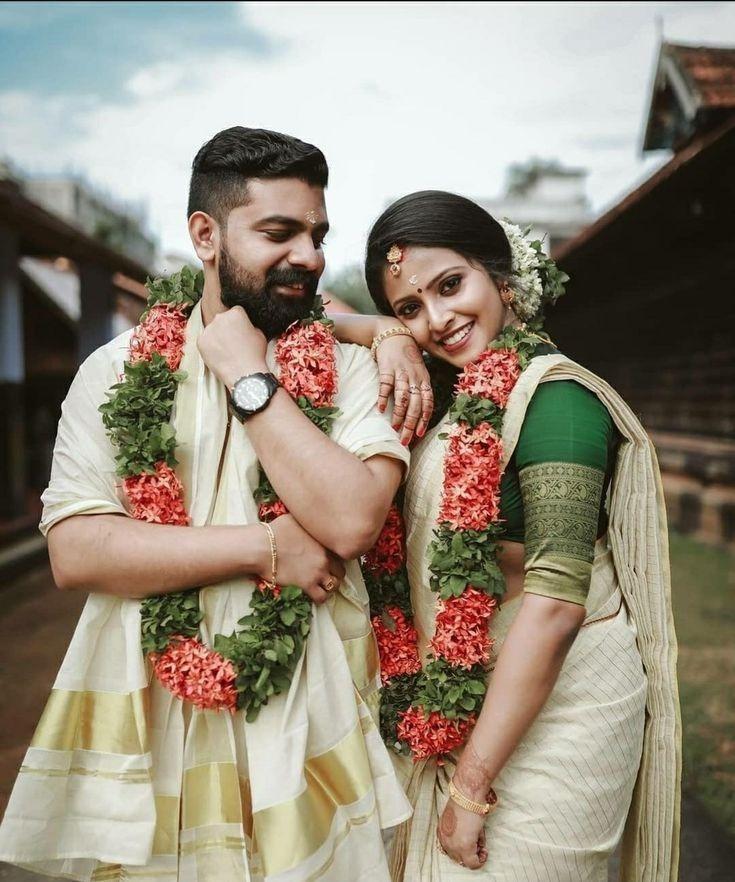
[400, 96]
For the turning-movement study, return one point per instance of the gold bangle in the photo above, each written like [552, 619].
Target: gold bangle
[274, 553]
[477, 808]
[383, 335]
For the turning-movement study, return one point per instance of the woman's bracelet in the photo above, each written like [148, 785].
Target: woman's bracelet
[477, 808]
[383, 335]
[274, 553]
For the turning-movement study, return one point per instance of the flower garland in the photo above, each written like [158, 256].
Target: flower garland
[431, 711]
[243, 670]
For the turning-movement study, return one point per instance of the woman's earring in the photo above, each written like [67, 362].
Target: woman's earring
[507, 295]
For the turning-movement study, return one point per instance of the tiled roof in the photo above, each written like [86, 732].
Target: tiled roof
[693, 92]
[710, 71]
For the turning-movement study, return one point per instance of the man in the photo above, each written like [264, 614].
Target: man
[122, 779]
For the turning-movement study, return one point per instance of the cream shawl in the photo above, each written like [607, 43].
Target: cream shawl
[639, 542]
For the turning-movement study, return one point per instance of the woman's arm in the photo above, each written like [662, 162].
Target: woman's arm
[400, 366]
[350, 327]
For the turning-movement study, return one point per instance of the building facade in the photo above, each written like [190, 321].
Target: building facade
[651, 302]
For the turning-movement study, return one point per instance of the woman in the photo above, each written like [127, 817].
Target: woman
[578, 729]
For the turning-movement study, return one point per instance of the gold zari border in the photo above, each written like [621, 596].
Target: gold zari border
[339, 777]
[106, 722]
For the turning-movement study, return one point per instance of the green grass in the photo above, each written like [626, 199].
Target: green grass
[704, 610]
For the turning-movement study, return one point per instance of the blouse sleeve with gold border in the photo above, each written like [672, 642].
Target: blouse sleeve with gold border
[564, 458]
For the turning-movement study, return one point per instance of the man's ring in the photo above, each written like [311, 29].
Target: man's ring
[414, 389]
[330, 585]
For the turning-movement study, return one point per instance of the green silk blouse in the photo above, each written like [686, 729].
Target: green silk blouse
[553, 490]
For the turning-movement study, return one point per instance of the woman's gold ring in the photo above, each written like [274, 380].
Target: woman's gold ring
[330, 585]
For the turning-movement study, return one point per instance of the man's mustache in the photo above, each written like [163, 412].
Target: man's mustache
[290, 277]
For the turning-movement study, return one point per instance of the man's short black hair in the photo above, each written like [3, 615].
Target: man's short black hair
[222, 167]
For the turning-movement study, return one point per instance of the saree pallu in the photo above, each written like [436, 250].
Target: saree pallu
[122, 779]
[602, 759]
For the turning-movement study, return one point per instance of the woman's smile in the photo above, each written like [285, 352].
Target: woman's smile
[458, 339]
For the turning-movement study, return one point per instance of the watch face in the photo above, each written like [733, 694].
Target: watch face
[250, 393]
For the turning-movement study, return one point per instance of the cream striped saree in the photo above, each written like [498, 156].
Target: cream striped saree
[602, 760]
[124, 781]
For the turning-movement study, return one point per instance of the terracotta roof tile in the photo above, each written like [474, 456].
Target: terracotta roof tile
[711, 72]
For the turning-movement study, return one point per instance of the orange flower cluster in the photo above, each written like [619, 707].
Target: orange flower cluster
[397, 645]
[195, 673]
[305, 354]
[492, 375]
[269, 511]
[432, 734]
[461, 635]
[159, 498]
[163, 330]
[388, 553]
[472, 470]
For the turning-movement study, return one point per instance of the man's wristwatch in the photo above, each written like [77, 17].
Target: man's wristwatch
[251, 394]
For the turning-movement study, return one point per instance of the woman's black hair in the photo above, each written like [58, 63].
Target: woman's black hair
[436, 219]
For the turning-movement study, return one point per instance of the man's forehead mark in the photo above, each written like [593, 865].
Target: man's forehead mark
[292, 222]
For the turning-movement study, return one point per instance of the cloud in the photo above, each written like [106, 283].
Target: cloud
[401, 97]
[94, 48]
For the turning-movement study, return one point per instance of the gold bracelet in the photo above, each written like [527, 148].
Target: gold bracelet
[383, 335]
[274, 553]
[477, 808]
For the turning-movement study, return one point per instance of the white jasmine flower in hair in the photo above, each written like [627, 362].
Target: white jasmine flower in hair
[528, 287]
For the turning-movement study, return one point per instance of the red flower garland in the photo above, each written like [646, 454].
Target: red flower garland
[432, 734]
[306, 359]
[397, 645]
[461, 635]
[469, 511]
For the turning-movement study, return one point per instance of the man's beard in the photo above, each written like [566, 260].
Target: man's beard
[269, 311]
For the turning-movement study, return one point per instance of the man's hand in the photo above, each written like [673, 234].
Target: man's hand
[303, 561]
[232, 347]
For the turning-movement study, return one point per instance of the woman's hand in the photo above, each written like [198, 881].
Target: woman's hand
[302, 560]
[462, 836]
[403, 372]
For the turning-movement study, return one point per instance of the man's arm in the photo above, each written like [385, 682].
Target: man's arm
[340, 499]
[117, 555]
[113, 554]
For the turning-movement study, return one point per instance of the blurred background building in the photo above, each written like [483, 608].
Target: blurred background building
[651, 303]
[72, 264]
[547, 197]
